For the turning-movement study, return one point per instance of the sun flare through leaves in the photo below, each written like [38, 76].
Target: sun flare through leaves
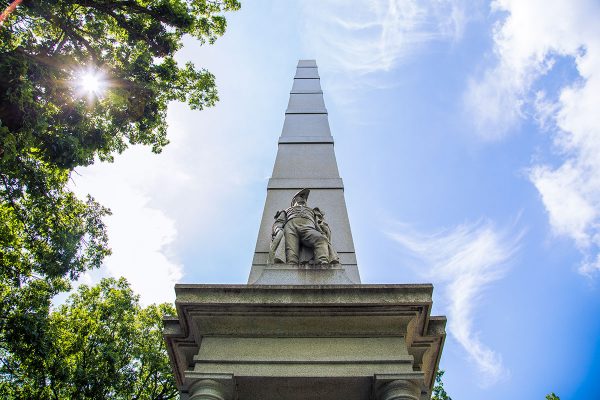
[90, 83]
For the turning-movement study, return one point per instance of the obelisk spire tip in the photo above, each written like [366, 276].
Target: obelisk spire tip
[307, 63]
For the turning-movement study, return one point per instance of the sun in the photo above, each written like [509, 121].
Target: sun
[90, 83]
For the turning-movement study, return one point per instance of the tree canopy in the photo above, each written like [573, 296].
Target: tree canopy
[49, 126]
[101, 344]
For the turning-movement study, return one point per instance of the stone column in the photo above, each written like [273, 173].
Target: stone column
[207, 389]
[399, 389]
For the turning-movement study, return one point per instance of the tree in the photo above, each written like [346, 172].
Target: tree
[101, 344]
[438, 392]
[48, 236]
[552, 396]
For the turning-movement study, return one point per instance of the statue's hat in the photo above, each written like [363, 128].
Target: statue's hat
[301, 194]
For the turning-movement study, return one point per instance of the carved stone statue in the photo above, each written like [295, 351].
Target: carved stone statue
[300, 235]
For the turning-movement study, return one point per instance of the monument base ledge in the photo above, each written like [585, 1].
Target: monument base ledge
[306, 274]
[352, 342]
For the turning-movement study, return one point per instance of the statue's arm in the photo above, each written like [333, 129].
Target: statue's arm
[280, 219]
[321, 225]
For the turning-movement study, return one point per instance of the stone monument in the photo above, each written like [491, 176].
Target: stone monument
[304, 327]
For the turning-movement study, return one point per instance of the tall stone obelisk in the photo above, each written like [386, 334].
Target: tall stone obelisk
[304, 327]
[306, 159]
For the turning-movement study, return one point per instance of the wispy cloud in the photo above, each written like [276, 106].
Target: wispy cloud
[376, 35]
[464, 261]
[528, 42]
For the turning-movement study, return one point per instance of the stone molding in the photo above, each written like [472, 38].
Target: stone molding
[306, 139]
[317, 183]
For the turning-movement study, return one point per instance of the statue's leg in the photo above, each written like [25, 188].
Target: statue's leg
[315, 239]
[322, 251]
[292, 243]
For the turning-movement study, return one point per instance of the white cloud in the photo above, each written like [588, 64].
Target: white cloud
[465, 260]
[376, 35]
[570, 213]
[527, 42]
[165, 205]
[140, 235]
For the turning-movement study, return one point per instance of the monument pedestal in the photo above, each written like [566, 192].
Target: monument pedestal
[292, 342]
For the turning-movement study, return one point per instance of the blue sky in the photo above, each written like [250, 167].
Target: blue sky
[467, 135]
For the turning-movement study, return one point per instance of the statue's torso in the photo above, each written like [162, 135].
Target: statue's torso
[300, 212]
